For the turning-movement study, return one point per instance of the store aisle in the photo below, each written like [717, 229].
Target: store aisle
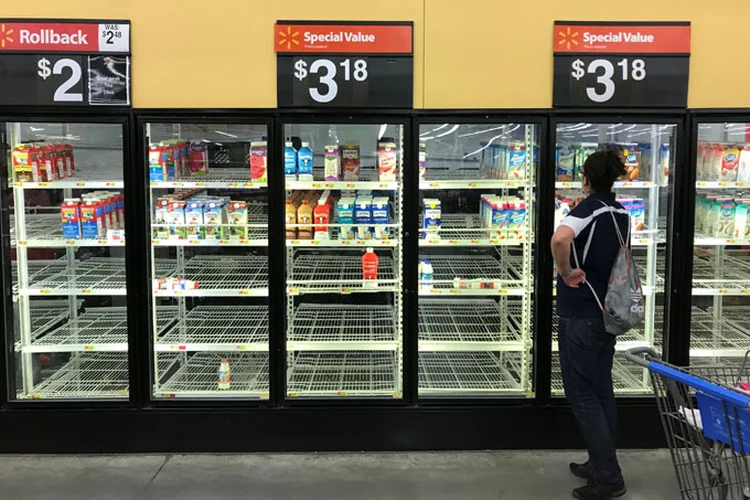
[435, 476]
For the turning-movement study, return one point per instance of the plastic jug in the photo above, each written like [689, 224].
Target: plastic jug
[370, 268]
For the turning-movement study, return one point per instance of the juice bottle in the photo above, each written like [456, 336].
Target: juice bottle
[225, 374]
[370, 268]
[427, 275]
[322, 214]
[305, 162]
[305, 216]
[291, 218]
[290, 161]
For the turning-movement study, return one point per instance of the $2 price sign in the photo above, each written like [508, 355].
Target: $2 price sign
[65, 91]
[604, 70]
[326, 71]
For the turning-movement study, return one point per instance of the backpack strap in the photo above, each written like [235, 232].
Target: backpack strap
[617, 226]
[578, 265]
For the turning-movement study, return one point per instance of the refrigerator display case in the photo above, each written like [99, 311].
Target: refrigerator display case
[720, 323]
[208, 206]
[476, 258]
[68, 313]
[647, 149]
[343, 218]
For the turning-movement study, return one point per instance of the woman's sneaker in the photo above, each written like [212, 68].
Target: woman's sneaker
[598, 491]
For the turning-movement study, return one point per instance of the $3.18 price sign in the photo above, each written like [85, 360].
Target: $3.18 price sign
[357, 81]
[620, 81]
[326, 72]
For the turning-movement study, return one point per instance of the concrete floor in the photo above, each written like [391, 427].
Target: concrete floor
[330, 476]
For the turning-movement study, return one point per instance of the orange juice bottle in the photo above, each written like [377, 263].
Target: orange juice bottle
[291, 218]
[322, 215]
[305, 216]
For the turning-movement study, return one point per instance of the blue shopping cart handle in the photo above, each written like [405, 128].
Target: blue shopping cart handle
[700, 384]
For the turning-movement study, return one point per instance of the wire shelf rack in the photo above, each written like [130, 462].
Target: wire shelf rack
[44, 230]
[94, 276]
[45, 314]
[470, 325]
[464, 178]
[464, 373]
[230, 178]
[86, 376]
[465, 230]
[634, 338]
[627, 378]
[198, 376]
[480, 274]
[343, 374]
[219, 275]
[103, 329]
[342, 327]
[217, 328]
[338, 274]
[89, 179]
[368, 179]
[724, 336]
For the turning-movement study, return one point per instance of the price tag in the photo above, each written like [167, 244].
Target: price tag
[64, 63]
[361, 65]
[621, 64]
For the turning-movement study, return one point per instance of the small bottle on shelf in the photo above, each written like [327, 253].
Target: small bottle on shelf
[225, 375]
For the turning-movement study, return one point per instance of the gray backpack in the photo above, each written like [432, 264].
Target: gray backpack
[623, 307]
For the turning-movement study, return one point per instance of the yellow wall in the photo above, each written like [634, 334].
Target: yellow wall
[468, 53]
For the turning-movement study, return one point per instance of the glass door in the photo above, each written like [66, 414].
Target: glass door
[475, 269]
[67, 235]
[647, 150]
[208, 204]
[343, 259]
[720, 312]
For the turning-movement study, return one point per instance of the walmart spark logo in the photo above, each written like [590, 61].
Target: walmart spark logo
[5, 35]
[288, 38]
[567, 38]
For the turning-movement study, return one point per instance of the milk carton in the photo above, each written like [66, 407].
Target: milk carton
[381, 217]
[70, 211]
[742, 219]
[729, 163]
[562, 209]
[516, 168]
[725, 218]
[196, 230]
[423, 160]
[431, 218]
[387, 160]
[198, 158]
[237, 217]
[160, 217]
[345, 217]
[350, 161]
[743, 170]
[363, 215]
[93, 225]
[305, 160]
[290, 162]
[176, 219]
[332, 163]
[215, 219]
[637, 212]
[516, 219]
[259, 161]
[565, 165]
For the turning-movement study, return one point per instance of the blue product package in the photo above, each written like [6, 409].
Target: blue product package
[363, 215]
[431, 217]
[381, 217]
[290, 160]
[305, 162]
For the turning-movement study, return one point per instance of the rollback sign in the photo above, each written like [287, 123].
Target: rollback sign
[64, 63]
[344, 64]
[618, 64]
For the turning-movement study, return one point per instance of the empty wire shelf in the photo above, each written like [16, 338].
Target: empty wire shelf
[732, 279]
[343, 374]
[45, 314]
[221, 276]
[324, 327]
[86, 376]
[466, 229]
[627, 377]
[724, 336]
[464, 373]
[96, 329]
[470, 325]
[339, 274]
[475, 274]
[197, 376]
[218, 328]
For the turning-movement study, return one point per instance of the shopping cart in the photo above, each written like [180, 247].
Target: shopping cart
[706, 419]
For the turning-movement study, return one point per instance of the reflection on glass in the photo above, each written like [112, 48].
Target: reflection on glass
[344, 259]
[720, 323]
[209, 248]
[476, 258]
[68, 261]
[647, 152]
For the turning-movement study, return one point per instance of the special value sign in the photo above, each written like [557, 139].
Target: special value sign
[618, 64]
[344, 64]
[64, 63]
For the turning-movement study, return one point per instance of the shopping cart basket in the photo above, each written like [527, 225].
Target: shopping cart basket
[706, 420]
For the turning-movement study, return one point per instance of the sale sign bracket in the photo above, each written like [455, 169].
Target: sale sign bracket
[621, 64]
[342, 64]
